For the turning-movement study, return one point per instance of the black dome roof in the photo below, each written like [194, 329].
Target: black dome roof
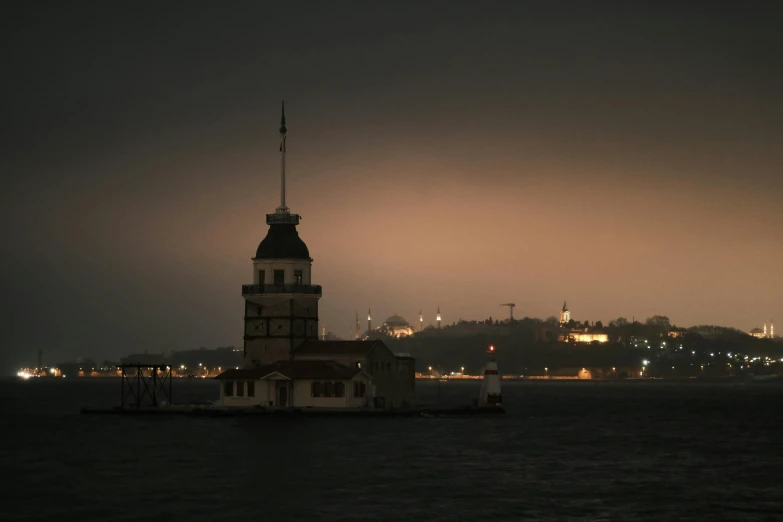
[282, 241]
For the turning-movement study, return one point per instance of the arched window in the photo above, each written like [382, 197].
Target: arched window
[317, 389]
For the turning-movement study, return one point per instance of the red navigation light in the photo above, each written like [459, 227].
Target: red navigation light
[491, 348]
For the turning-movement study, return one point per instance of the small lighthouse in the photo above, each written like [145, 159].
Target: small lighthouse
[490, 396]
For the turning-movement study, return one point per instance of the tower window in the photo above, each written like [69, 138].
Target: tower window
[279, 277]
[261, 277]
[297, 277]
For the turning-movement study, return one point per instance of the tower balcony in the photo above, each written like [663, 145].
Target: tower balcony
[282, 218]
[281, 289]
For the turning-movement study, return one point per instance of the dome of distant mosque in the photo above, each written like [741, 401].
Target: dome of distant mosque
[396, 320]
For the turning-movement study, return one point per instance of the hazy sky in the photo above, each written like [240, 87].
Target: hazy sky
[625, 156]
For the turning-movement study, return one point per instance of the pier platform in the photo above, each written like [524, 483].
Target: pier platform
[210, 411]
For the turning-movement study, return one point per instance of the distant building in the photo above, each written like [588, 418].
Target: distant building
[396, 326]
[565, 315]
[583, 336]
[765, 333]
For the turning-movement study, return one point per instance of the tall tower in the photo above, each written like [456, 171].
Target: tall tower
[281, 306]
[437, 318]
[369, 322]
[358, 332]
[421, 320]
[565, 315]
[771, 329]
[765, 330]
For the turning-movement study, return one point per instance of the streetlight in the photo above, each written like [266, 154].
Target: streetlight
[546, 372]
[462, 369]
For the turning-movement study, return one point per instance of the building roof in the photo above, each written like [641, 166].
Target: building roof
[757, 330]
[396, 320]
[325, 369]
[324, 348]
[565, 307]
[282, 242]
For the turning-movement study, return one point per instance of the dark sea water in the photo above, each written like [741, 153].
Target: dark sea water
[564, 451]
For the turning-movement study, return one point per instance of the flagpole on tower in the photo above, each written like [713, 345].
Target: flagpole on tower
[282, 207]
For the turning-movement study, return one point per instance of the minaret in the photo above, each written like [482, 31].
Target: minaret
[765, 330]
[358, 333]
[421, 320]
[369, 322]
[771, 329]
[437, 318]
[281, 304]
[323, 333]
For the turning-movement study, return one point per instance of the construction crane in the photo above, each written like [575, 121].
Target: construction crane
[510, 310]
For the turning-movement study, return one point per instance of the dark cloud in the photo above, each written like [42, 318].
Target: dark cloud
[625, 156]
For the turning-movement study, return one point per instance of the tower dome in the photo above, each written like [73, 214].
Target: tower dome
[282, 241]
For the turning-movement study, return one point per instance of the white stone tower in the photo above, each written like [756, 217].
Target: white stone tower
[281, 306]
[421, 320]
[490, 396]
[437, 318]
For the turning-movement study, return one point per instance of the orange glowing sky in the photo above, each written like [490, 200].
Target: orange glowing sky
[625, 159]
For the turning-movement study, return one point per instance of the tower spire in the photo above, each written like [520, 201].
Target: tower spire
[282, 207]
